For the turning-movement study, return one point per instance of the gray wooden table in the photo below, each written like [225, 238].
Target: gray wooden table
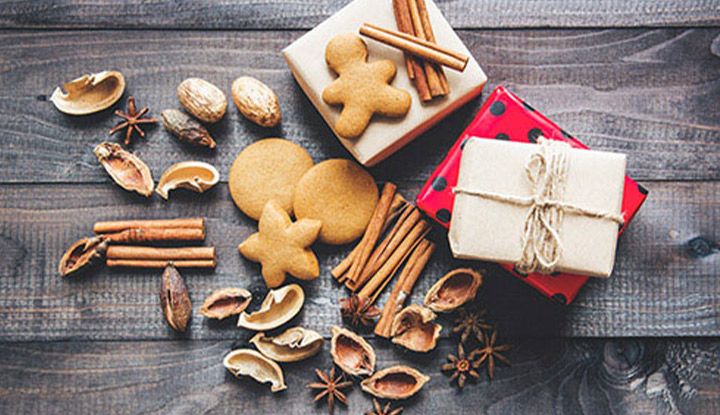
[640, 77]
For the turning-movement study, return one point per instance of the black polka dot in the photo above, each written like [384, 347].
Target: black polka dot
[534, 134]
[560, 298]
[520, 273]
[555, 274]
[497, 108]
[443, 215]
[642, 189]
[528, 107]
[462, 145]
[503, 136]
[439, 184]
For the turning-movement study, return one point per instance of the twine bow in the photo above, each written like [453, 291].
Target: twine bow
[547, 172]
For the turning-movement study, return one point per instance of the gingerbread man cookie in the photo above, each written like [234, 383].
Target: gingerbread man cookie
[362, 88]
[282, 246]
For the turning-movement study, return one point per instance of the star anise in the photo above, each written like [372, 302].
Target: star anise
[132, 118]
[489, 352]
[331, 387]
[358, 311]
[380, 410]
[470, 323]
[461, 367]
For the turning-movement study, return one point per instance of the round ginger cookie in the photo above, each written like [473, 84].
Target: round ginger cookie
[267, 170]
[339, 193]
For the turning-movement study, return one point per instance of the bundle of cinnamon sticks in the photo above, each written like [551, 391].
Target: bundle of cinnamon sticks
[373, 263]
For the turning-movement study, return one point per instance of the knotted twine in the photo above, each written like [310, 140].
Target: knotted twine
[547, 172]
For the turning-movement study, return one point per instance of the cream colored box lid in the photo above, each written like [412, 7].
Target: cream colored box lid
[491, 230]
[384, 136]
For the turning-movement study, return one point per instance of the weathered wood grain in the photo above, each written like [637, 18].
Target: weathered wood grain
[649, 93]
[547, 376]
[304, 14]
[659, 287]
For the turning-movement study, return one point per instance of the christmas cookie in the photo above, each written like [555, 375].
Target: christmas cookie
[339, 193]
[282, 246]
[362, 88]
[267, 170]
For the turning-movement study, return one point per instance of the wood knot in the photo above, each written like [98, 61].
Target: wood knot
[624, 361]
[700, 247]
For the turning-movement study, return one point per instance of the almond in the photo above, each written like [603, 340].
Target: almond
[202, 99]
[256, 101]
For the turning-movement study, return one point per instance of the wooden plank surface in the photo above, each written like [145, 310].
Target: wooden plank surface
[648, 93]
[660, 287]
[305, 14]
[547, 376]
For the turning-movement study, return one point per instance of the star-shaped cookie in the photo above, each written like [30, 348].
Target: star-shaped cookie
[281, 246]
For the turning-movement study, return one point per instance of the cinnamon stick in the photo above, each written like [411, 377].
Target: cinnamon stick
[373, 230]
[161, 263]
[433, 78]
[151, 253]
[414, 68]
[403, 287]
[142, 235]
[430, 37]
[121, 225]
[416, 46]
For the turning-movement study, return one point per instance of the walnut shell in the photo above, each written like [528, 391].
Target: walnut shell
[246, 362]
[82, 254]
[396, 382]
[454, 289]
[292, 345]
[226, 302]
[89, 93]
[202, 99]
[197, 176]
[413, 328]
[256, 101]
[127, 170]
[351, 352]
[279, 307]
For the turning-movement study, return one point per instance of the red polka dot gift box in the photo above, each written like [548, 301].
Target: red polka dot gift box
[504, 116]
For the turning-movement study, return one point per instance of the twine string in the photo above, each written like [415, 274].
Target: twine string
[547, 172]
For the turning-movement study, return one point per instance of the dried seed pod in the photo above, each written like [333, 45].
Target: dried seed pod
[82, 254]
[279, 307]
[413, 328]
[226, 302]
[186, 129]
[89, 93]
[351, 352]
[256, 101]
[292, 345]
[174, 299]
[202, 99]
[127, 170]
[246, 362]
[454, 289]
[396, 382]
[192, 175]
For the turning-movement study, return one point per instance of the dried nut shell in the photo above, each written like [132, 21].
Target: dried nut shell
[89, 93]
[292, 345]
[192, 175]
[226, 302]
[413, 328]
[256, 101]
[174, 299]
[396, 382]
[351, 352]
[247, 362]
[81, 255]
[127, 170]
[279, 307]
[202, 99]
[454, 289]
[186, 129]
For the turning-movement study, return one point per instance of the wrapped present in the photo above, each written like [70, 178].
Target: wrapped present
[544, 207]
[505, 116]
[383, 136]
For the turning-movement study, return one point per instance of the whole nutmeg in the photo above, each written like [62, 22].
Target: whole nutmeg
[174, 299]
[256, 101]
[202, 99]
